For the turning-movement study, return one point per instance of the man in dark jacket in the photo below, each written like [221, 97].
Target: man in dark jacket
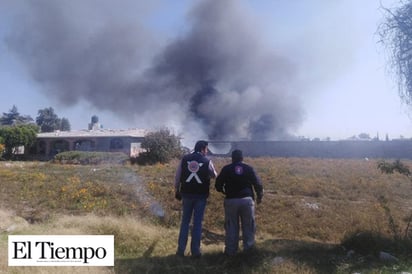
[239, 182]
[192, 182]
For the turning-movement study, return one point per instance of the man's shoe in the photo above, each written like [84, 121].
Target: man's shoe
[249, 250]
[197, 256]
[180, 254]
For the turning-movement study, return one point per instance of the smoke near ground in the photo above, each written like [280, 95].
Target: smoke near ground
[217, 78]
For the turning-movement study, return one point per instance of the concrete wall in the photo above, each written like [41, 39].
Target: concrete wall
[399, 149]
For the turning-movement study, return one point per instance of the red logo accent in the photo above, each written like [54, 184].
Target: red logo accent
[238, 170]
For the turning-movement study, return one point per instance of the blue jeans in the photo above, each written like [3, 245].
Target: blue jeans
[192, 205]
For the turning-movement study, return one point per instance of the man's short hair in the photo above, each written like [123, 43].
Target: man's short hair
[200, 145]
[237, 155]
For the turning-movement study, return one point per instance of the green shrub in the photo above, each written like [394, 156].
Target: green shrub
[17, 135]
[90, 158]
[160, 147]
[390, 168]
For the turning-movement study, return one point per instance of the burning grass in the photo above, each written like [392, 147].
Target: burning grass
[313, 213]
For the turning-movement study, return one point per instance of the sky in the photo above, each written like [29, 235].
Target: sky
[211, 69]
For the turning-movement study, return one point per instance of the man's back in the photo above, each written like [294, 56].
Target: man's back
[195, 178]
[238, 179]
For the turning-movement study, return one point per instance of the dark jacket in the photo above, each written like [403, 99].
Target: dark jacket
[239, 180]
[195, 175]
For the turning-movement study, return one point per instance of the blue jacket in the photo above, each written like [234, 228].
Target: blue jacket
[239, 180]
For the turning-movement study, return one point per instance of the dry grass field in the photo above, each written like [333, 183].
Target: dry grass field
[317, 216]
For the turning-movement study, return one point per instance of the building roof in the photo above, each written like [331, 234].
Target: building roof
[94, 133]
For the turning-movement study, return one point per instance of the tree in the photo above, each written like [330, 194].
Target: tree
[161, 146]
[94, 123]
[13, 117]
[364, 136]
[95, 119]
[396, 35]
[65, 125]
[48, 121]
[2, 146]
[18, 135]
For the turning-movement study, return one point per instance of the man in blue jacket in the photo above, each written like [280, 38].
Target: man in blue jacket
[239, 182]
[192, 182]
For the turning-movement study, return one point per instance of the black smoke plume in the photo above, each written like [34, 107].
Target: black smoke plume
[217, 77]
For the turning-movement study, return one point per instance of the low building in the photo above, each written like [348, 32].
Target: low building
[106, 140]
